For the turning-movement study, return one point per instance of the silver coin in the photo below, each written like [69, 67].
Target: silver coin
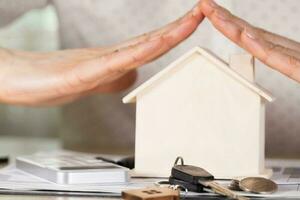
[258, 185]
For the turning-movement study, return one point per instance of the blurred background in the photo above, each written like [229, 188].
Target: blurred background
[81, 125]
[24, 129]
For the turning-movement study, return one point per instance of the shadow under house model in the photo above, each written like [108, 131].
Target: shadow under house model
[207, 111]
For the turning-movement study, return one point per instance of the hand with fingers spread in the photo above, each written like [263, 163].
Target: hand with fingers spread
[278, 52]
[52, 78]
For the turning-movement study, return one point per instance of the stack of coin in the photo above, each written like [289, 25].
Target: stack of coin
[257, 185]
[234, 185]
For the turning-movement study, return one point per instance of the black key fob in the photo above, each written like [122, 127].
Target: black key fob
[189, 173]
[186, 185]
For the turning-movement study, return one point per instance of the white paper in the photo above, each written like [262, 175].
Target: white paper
[286, 175]
[14, 179]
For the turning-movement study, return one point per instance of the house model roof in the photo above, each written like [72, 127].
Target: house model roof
[131, 97]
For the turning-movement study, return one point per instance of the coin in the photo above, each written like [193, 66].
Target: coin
[258, 185]
[235, 185]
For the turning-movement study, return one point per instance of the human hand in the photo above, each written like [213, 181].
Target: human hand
[52, 78]
[278, 52]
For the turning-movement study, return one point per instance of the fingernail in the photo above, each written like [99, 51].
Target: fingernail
[213, 4]
[250, 34]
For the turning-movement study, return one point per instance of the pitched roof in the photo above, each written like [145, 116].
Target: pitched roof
[131, 97]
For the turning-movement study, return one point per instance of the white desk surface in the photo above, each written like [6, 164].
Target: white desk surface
[19, 145]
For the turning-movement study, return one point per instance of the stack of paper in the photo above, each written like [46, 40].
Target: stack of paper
[14, 179]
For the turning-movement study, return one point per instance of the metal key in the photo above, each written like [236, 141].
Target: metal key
[219, 189]
[197, 175]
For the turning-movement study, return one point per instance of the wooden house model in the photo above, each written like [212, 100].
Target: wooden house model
[207, 111]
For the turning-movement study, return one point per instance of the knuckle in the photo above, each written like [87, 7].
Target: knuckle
[293, 65]
[248, 31]
[237, 36]
[270, 49]
[276, 48]
[293, 61]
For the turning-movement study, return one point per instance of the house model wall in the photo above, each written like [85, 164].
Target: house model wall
[201, 109]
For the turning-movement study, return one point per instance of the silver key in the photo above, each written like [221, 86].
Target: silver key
[219, 189]
[197, 175]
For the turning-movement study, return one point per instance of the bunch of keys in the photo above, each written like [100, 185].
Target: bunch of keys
[196, 179]
[197, 176]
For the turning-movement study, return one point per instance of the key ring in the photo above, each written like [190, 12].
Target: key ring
[174, 187]
[162, 183]
[179, 158]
